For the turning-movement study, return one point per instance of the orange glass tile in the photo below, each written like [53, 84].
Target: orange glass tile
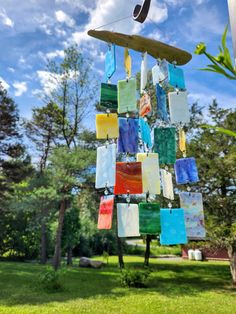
[128, 178]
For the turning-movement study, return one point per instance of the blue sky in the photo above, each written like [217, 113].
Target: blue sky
[33, 31]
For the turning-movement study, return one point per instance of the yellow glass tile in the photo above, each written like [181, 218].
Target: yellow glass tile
[127, 62]
[107, 126]
[150, 172]
[182, 141]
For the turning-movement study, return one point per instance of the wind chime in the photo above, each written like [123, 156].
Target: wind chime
[145, 171]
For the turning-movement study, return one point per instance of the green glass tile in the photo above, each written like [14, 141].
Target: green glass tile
[109, 96]
[165, 145]
[149, 218]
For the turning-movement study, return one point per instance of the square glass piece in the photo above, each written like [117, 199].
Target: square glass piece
[105, 212]
[167, 184]
[165, 145]
[186, 171]
[149, 218]
[150, 173]
[127, 96]
[173, 230]
[128, 135]
[160, 73]
[128, 220]
[176, 77]
[108, 98]
[107, 126]
[178, 104]
[194, 215]
[128, 178]
[106, 166]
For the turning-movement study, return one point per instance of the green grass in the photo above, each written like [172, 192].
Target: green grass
[174, 287]
[155, 249]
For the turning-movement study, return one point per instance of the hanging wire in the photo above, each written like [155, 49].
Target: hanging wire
[116, 21]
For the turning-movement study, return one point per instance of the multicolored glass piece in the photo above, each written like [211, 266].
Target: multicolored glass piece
[145, 132]
[165, 145]
[107, 126]
[173, 230]
[149, 218]
[106, 166]
[128, 135]
[128, 178]
[194, 215]
[178, 104]
[145, 105]
[128, 220]
[150, 173]
[110, 62]
[186, 171]
[105, 212]
[127, 96]
[108, 98]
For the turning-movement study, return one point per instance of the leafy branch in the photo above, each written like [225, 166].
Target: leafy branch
[222, 63]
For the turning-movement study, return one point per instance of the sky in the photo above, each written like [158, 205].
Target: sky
[35, 31]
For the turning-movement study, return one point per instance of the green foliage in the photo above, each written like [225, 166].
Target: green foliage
[133, 278]
[220, 130]
[222, 63]
[51, 280]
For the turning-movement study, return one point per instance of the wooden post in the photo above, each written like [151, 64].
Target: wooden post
[147, 252]
[232, 17]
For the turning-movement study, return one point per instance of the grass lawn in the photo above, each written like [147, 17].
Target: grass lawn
[174, 287]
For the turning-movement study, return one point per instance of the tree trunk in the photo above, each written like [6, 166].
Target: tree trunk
[120, 253]
[43, 250]
[147, 252]
[232, 257]
[69, 256]
[57, 252]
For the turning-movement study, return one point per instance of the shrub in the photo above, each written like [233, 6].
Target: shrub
[134, 278]
[51, 280]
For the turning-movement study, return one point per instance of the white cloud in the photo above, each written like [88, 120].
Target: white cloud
[11, 69]
[51, 55]
[4, 83]
[20, 88]
[5, 20]
[48, 81]
[62, 17]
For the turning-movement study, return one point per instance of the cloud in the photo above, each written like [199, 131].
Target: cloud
[20, 88]
[12, 70]
[4, 83]
[5, 20]
[48, 81]
[62, 17]
[51, 55]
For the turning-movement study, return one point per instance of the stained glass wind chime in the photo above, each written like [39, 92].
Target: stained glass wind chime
[125, 123]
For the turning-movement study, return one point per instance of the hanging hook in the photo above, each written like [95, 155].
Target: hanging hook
[140, 12]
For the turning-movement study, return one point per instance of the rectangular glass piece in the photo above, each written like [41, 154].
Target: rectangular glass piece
[176, 77]
[110, 62]
[160, 73]
[165, 145]
[108, 98]
[128, 220]
[149, 218]
[127, 96]
[173, 230]
[145, 105]
[167, 184]
[194, 215]
[145, 132]
[150, 172]
[105, 212]
[128, 178]
[107, 126]
[128, 135]
[178, 104]
[161, 103]
[186, 171]
[106, 166]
